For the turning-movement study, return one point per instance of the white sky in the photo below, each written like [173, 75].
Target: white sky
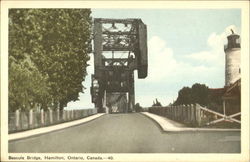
[184, 47]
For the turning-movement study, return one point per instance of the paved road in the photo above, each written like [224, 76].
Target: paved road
[127, 133]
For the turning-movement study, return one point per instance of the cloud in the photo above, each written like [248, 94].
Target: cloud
[161, 59]
[215, 53]
[217, 41]
[164, 66]
[169, 74]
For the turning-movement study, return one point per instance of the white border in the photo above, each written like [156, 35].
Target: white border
[243, 5]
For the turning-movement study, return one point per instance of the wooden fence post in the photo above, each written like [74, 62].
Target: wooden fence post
[42, 116]
[172, 112]
[175, 112]
[169, 111]
[72, 114]
[30, 118]
[63, 115]
[191, 119]
[179, 112]
[188, 113]
[17, 116]
[191, 113]
[198, 114]
[50, 116]
[183, 115]
[58, 114]
[66, 115]
[69, 113]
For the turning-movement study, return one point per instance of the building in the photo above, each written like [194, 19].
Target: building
[232, 98]
[230, 94]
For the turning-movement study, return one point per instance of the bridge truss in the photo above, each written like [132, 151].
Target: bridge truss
[120, 47]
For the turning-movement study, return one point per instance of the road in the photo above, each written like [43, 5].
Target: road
[127, 133]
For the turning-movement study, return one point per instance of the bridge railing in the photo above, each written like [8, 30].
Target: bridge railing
[196, 115]
[25, 120]
[193, 115]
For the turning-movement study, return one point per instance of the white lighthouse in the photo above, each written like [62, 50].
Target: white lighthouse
[232, 52]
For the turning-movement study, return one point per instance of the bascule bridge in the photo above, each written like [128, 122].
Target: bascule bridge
[120, 47]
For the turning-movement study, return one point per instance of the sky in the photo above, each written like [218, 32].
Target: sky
[185, 46]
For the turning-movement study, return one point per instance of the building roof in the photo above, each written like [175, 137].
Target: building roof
[232, 91]
[217, 91]
[228, 92]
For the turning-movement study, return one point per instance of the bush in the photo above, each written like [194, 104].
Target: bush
[138, 108]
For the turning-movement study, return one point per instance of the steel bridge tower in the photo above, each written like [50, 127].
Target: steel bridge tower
[120, 47]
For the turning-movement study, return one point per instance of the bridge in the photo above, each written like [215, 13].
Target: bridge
[120, 47]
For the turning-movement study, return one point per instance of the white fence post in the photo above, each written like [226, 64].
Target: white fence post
[42, 116]
[178, 112]
[175, 112]
[50, 116]
[191, 113]
[171, 112]
[68, 115]
[58, 114]
[198, 114]
[17, 119]
[30, 118]
[63, 115]
[188, 110]
[184, 113]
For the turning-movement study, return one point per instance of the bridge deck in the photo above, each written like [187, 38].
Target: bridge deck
[127, 133]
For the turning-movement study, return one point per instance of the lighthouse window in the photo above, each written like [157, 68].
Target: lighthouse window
[239, 70]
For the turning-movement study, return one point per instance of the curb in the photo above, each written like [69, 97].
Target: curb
[168, 125]
[43, 130]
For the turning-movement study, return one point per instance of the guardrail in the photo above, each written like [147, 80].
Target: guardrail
[188, 114]
[25, 120]
[194, 115]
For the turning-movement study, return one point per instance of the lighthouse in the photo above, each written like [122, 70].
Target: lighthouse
[232, 59]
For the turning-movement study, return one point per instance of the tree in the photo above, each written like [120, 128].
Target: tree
[138, 107]
[156, 103]
[184, 96]
[198, 93]
[57, 42]
[26, 84]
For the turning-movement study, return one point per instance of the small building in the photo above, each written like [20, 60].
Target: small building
[215, 97]
[232, 98]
